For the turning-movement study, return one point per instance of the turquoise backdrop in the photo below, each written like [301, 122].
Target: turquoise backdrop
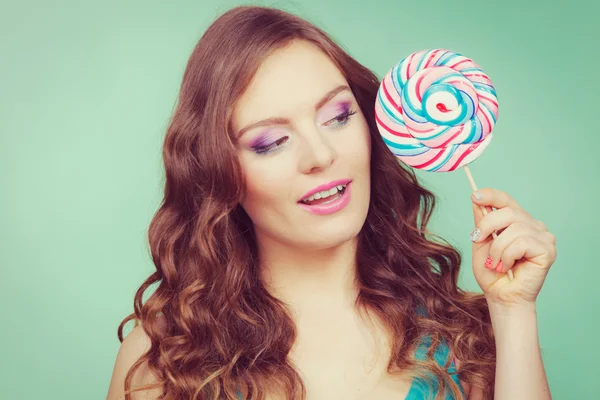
[86, 91]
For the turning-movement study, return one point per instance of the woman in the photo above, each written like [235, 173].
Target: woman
[291, 251]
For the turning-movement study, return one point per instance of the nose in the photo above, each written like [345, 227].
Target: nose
[318, 153]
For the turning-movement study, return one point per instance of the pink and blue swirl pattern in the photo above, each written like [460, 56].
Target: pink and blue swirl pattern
[436, 110]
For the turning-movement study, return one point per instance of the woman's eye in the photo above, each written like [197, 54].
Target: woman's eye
[337, 122]
[271, 147]
[341, 119]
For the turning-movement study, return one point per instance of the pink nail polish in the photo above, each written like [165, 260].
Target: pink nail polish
[488, 263]
[499, 267]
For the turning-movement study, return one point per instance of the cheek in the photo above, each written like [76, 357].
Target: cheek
[267, 184]
[257, 190]
[357, 145]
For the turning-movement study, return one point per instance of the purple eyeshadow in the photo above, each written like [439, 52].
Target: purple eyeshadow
[344, 106]
[267, 138]
[260, 141]
[337, 109]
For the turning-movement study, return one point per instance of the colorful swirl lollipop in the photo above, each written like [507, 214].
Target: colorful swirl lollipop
[436, 110]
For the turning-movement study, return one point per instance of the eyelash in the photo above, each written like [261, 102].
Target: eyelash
[262, 150]
[345, 116]
[276, 145]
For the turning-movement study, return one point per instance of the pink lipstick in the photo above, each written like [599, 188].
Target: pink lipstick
[326, 186]
[331, 203]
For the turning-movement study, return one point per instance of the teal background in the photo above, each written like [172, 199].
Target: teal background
[86, 91]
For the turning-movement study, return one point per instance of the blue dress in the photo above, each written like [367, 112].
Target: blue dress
[419, 390]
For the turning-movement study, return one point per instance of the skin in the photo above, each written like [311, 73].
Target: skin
[339, 354]
[308, 260]
[525, 245]
[317, 149]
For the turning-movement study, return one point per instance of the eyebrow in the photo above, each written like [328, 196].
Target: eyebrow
[282, 121]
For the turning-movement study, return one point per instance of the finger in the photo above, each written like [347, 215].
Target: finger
[494, 198]
[478, 212]
[499, 219]
[540, 225]
[528, 247]
[509, 235]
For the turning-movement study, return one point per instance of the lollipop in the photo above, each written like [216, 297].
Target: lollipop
[436, 110]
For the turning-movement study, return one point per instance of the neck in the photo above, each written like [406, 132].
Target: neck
[309, 279]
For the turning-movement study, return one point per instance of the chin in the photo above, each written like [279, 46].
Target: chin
[331, 231]
[330, 235]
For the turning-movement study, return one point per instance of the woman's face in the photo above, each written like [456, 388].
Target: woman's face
[312, 138]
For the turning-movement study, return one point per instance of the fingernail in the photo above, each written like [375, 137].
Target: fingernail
[488, 263]
[499, 267]
[477, 195]
[475, 234]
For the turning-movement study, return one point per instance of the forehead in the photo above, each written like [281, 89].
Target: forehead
[290, 81]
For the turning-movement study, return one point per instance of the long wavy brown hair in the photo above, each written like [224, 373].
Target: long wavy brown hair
[213, 326]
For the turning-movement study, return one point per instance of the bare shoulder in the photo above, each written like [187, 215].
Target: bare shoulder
[134, 345]
[472, 393]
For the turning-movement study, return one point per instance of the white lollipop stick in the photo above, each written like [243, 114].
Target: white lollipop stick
[485, 211]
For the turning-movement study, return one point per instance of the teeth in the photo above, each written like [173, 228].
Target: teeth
[325, 193]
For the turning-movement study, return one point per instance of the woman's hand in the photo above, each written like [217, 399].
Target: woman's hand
[523, 244]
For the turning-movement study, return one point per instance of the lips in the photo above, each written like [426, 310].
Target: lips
[332, 206]
[326, 186]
